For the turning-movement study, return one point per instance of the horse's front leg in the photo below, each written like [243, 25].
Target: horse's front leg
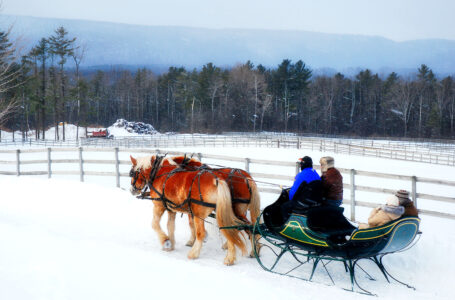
[158, 211]
[200, 234]
[170, 244]
[190, 242]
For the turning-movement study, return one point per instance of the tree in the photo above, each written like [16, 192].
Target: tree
[403, 97]
[62, 47]
[41, 53]
[8, 76]
[426, 81]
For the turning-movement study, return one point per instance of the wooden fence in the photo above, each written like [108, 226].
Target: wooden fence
[435, 153]
[351, 186]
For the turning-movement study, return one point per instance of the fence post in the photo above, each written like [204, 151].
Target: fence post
[247, 164]
[81, 165]
[199, 156]
[18, 162]
[49, 170]
[352, 195]
[297, 168]
[414, 190]
[117, 167]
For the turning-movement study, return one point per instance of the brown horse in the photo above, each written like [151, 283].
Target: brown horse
[244, 192]
[192, 192]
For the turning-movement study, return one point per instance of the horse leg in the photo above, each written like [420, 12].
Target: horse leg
[158, 211]
[169, 244]
[200, 234]
[190, 242]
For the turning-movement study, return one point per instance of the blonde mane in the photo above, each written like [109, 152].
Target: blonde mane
[144, 162]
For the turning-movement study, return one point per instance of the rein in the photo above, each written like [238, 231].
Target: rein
[169, 204]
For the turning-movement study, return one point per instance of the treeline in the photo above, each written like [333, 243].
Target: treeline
[213, 99]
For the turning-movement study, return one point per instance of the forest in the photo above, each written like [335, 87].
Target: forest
[49, 86]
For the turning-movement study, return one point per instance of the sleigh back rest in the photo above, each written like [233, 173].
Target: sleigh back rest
[399, 234]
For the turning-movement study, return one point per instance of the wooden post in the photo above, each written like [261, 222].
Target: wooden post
[49, 161]
[414, 190]
[352, 195]
[117, 167]
[81, 165]
[199, 156]
[247, 164]
[297, 168]
[18, 162]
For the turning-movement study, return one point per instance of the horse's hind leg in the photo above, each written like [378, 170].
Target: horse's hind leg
[158, 212]
[170, 244]
[190, 242]
[200, 234]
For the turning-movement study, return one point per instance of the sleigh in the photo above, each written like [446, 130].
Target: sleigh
[302, 240]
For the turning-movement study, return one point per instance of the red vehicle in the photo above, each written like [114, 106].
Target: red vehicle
[101, 133]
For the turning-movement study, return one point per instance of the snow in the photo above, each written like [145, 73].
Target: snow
[72, 240]
[64, 239]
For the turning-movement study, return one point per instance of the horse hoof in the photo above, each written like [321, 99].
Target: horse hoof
[167, 246]
[189, 243]
[228, 262]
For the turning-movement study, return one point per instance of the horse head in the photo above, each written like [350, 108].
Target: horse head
[140, 173]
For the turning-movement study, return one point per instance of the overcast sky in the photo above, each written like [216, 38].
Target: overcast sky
[395, 19]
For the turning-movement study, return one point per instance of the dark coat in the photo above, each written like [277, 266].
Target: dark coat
[332, 185]
[410, 210]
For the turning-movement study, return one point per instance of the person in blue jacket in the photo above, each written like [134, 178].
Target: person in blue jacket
[306, 175]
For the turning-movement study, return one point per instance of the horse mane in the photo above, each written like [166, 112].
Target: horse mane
[144, 162]
[178, 160]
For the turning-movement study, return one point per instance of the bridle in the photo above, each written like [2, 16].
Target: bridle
[135, 175]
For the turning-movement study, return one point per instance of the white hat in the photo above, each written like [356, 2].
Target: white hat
[326, 163]
[392, 200]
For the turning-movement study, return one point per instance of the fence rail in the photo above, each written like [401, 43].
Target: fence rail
[352, 186]
[437, 152]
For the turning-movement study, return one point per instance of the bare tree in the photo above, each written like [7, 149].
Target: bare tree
[9, 73]
[403, 99]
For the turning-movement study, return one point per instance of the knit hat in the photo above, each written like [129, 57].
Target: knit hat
[306, 162]
[392, 200]
[326, 162]
[403, 197]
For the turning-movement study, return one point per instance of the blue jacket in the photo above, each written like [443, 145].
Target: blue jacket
[308, 175]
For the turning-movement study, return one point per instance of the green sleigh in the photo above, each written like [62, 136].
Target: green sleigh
[297, 240]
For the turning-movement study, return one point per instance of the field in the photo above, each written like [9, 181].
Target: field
[63, 239]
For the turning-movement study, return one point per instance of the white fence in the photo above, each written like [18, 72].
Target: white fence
[47, 168]
[427, 152]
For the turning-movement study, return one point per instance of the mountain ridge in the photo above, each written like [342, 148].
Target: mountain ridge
[111, 43]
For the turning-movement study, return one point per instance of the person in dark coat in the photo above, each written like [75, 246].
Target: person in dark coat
[409, 208]
[306, 175]
[332, 182]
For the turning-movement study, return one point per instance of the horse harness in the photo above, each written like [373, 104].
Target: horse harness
[169, 204]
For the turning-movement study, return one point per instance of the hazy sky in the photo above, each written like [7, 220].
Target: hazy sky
[395, 19]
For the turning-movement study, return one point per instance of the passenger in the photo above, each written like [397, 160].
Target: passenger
[306, 192]
[307, 174]
[409, 208]
[332, 182]
[384, 213]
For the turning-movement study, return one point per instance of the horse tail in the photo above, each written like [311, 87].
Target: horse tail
[255, 201]
[225, 216]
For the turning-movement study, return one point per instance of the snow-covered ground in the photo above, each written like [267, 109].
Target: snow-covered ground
[63, 239]
[70, 240]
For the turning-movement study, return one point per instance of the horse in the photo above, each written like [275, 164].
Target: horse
[192, 192]
[244, 192]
